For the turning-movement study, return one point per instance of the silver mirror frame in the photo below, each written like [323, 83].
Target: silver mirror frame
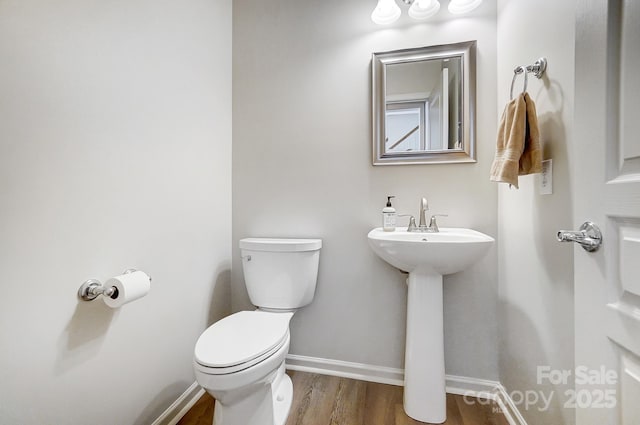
[467, 51]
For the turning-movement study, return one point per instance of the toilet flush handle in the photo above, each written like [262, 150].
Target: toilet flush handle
[248, 257]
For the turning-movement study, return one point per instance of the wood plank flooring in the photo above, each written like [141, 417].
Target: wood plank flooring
[328, 400]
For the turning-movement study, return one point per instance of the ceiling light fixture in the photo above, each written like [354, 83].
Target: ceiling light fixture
[387, 11]
[424, 9]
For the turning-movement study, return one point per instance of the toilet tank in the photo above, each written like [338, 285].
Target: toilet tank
[280, 274]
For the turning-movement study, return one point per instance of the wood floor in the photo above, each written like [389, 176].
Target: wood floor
[328, 400]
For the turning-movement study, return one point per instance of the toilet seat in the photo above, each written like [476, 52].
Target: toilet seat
[240, 341]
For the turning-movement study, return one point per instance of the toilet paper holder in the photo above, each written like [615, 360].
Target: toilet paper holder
[92, 288]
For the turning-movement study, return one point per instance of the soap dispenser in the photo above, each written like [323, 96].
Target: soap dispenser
[389, 216]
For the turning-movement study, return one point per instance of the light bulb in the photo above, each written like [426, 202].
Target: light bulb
[386, 12]
[423, 9]
[463, 6]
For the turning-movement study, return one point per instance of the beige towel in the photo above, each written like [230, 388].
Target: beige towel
[518, 149]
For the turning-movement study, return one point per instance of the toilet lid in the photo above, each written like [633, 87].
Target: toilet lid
[241, 337]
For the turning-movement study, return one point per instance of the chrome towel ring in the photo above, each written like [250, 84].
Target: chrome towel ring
[538, 69]
[518, 70]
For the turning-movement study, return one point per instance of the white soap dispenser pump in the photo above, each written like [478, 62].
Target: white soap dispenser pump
[389, 216]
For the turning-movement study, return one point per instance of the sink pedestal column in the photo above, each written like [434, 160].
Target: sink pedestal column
[424, 380]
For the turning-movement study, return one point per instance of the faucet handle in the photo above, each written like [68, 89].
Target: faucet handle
[412, 222]
[432, 221]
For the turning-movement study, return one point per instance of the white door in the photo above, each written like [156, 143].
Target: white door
[606, 165]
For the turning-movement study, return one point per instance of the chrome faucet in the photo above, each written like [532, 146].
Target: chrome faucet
[424, 207]
[432, 227]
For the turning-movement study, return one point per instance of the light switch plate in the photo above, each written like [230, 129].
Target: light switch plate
[546, 178]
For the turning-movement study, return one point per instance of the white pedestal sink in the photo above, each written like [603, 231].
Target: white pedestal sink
[427, 256]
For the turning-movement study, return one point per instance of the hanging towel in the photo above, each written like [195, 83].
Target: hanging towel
[518, 147]
[531, 158]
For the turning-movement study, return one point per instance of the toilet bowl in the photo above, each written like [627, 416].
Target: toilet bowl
[240, 359]
[240, 362]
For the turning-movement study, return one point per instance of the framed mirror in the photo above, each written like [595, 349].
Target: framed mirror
[423, 104]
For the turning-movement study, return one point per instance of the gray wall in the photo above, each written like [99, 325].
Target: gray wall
[536, 272]
[115, 152]
[302, 167]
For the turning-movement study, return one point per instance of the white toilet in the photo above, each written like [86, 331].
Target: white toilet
[239, 360]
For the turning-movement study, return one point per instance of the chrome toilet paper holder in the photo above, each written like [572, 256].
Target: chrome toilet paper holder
[92, 288]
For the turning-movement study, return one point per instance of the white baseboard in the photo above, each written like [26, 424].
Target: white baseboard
[508, 407]
[473, 387]
[360, 371]
[181, 406]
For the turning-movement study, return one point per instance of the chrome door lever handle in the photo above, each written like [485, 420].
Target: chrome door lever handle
[589, 236]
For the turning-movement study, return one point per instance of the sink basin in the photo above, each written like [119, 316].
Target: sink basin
[427, 256]
[449, 251]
